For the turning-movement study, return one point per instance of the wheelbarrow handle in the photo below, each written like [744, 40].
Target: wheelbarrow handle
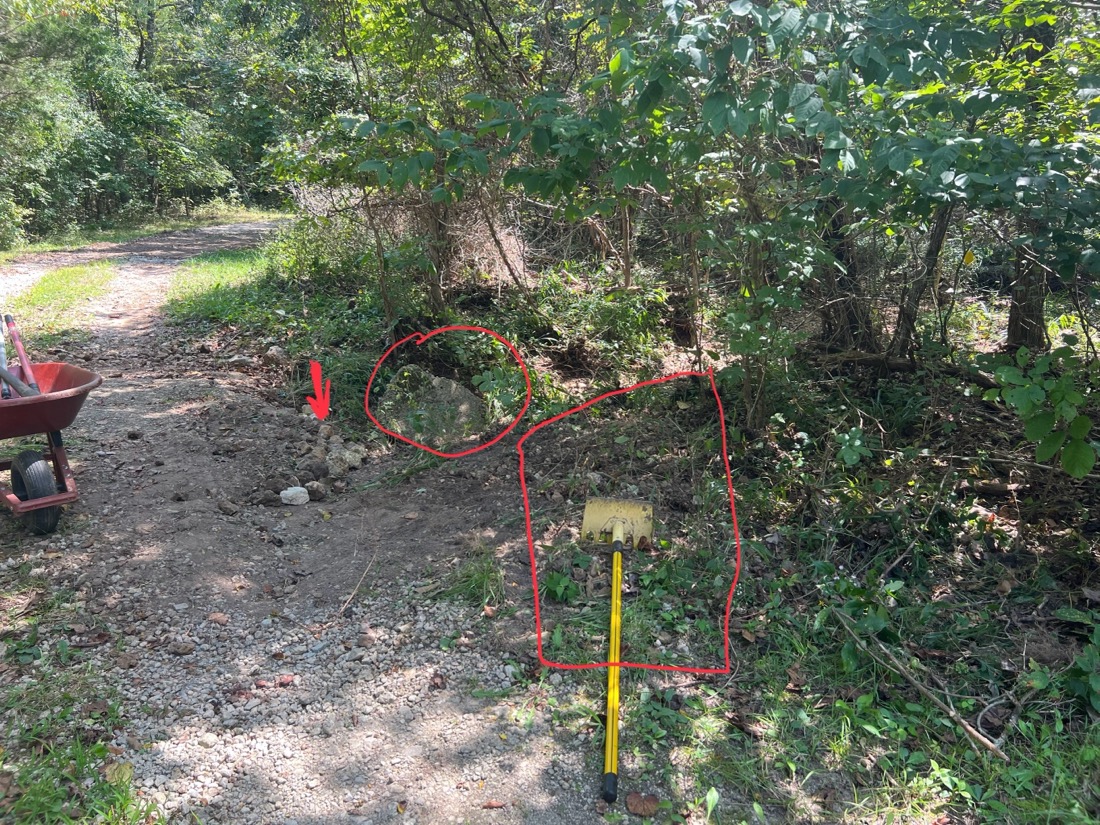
[20, 388]
[5, 390]
[24, 361]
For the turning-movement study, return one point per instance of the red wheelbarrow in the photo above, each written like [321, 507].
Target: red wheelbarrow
[42, 481]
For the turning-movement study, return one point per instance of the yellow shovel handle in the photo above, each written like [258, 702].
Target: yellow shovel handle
[611, 743]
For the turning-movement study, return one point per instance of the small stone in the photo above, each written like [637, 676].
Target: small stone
[312, 468]
[338, 466]
[228, 507]
[208, 740]
[265, 497]
[294, 496]
[276, 357]
[180, 607]
[126, 661]
[240, 361]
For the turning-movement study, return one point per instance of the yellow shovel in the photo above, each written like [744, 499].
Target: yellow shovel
[622, 524]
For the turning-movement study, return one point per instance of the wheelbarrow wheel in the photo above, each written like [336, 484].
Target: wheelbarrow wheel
[31, 478]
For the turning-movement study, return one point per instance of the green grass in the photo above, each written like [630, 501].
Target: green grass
[479, 579]
[201, 281]
[62, 298]
[58, 716]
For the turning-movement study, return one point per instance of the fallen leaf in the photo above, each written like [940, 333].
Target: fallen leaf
[493, 804]
[642, 805]
[797, 679]
[119, 773]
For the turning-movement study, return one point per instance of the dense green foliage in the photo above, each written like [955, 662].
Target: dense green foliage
[116, 110]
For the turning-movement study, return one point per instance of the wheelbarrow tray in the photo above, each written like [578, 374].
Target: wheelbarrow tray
[64, 388]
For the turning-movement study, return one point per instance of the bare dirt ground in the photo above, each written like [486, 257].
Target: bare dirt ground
[279, 664]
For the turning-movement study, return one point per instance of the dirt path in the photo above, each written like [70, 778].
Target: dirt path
[290, 664]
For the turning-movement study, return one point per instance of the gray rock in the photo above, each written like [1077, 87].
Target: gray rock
[240, 362]
[294, 496]
[422, 406]
[276, 357]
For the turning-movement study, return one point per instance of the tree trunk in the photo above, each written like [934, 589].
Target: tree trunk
[1026, 321]
[846, 318]
[440, 251]
[628, 258]
[915, 291]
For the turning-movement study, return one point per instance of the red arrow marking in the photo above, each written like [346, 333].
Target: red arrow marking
[321, 401]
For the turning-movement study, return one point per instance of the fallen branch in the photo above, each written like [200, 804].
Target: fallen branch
[885, 362]
[893, 664]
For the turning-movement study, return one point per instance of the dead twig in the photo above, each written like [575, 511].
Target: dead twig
[358, 584]
[893, 664]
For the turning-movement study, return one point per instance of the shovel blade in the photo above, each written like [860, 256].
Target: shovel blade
[602, 514]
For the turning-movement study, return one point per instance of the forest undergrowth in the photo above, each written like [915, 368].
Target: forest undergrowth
[915, 634]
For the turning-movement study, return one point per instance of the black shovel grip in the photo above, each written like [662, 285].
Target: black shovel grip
[610, 790]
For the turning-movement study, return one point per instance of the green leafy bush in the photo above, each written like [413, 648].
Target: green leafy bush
[1049, 396]
[1083, 678]
[11, 223]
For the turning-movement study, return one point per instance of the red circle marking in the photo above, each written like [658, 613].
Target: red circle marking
[419, 338]
[733, 516]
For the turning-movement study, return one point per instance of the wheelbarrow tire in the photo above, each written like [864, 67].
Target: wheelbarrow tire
[32, 477]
